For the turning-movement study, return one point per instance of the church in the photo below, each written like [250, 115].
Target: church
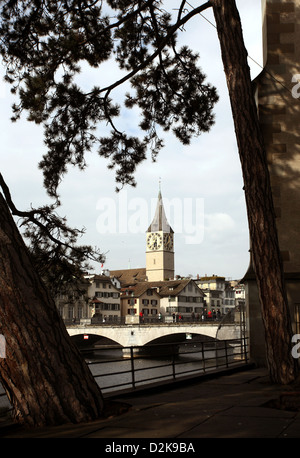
[154, 290]
[277, 96]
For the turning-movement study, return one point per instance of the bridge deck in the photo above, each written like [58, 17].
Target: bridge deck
[143, 333]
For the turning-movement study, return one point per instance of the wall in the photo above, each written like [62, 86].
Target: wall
[279, 114]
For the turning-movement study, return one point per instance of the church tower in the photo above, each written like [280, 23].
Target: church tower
[160, 246]
[278, 96]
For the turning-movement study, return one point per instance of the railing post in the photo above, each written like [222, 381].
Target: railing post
[132, 367]
[216, 354]
[245, 348]
[226, 354]
[203, 356]
[173, 361]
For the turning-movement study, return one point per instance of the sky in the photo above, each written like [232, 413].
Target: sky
[201, 183]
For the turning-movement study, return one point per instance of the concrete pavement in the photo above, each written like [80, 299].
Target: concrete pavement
[236, 405]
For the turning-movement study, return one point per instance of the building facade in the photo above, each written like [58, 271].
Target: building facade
[104, 299]
[140, 301]
[278, 102]
[181, 297]
[97, 298]
[164, 300]
[73, 301]
[221, 295]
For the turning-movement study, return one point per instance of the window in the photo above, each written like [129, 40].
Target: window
[131, 301]
[70, 312]
[172, 309]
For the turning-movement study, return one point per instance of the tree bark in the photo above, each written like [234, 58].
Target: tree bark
[259, 201]
[44, 375]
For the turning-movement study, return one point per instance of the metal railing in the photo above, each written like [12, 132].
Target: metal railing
[118, 369]
[134, 367]
[120, 321]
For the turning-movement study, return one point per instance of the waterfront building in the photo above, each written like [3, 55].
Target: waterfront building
[181, 297]
[221, 295]
[104, 298]
[73, 300]
[171, 299]
[95, 296]
[214, 289]
[140, 301]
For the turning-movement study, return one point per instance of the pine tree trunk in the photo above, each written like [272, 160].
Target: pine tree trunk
[261, 217]
[44, 375]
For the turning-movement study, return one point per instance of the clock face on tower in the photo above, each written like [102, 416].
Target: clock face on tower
[168, 241]
[154, 241]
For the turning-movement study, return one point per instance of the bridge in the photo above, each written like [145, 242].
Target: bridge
[143, 334]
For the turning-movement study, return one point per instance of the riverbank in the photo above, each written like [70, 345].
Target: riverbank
[239, 404]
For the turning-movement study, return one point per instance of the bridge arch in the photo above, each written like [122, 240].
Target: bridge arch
[173, 333]
[87, 339]
[140, 335]
[179, 338]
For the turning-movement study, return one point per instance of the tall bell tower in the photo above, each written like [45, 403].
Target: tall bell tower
[160, 246]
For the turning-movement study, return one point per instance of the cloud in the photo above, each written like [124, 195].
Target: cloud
[218, 226]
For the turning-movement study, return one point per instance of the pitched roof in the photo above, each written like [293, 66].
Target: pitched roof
[129, 276]
[160, 222]
[171, 287]
[163, 288]
[138, 289]
[100, 277]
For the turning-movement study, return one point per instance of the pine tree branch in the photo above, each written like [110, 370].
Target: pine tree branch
[164, 41]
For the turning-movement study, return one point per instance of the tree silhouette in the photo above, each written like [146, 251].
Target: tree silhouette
[43, 44]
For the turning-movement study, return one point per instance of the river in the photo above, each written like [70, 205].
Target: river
[114, 372]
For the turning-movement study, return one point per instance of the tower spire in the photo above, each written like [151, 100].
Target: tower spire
[160, 245]
[160, 222]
